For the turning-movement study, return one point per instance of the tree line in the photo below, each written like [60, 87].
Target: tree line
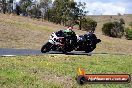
[63, 12]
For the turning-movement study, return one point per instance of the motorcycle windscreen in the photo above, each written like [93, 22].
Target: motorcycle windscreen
[60, 34]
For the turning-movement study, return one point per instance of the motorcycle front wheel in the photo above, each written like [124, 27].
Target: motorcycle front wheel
[46, 48]
[89, 49]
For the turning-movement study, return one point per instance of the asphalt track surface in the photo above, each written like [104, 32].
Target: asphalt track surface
[26, 52]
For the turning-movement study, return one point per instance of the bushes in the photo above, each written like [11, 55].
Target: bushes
[130, 24]
[128, 33]
[88, 24]
[107, 28]
[122, 21]
[114, 29]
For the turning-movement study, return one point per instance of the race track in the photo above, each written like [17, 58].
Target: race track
[25, 52]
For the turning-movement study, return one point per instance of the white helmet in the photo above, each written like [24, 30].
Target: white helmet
[70, 28]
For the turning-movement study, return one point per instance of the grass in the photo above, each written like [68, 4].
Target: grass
[24, 32]
[27, 25]
[57, 71]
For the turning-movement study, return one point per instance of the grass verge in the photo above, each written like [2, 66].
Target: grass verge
[57, 71]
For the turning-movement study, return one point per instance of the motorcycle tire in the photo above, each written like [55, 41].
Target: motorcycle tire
[90, 49]
[64, 51]
[46, 48]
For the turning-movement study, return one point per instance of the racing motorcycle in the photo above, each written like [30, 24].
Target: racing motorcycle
[87, 42]
[59, 41]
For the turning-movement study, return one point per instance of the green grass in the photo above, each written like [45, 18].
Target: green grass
[56, 71]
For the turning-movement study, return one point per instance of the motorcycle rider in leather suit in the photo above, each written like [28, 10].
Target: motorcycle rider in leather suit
[71, 34]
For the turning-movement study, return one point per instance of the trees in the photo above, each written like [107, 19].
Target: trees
[18, 10]
[60, 11]
[23, 6]
[35, 12]
[44, 7]
[4, 6]
[81, 13]
[66, 12]
[33, 8]
[45, 4]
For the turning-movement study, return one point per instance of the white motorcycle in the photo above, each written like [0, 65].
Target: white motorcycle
[55, 43]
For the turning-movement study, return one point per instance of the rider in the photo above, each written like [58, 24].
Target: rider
[69, 32]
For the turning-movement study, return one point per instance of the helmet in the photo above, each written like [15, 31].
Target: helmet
[70, 28]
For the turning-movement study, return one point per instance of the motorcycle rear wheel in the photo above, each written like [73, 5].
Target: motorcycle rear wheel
[89, 49]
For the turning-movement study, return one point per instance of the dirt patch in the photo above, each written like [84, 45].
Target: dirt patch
[65, 81]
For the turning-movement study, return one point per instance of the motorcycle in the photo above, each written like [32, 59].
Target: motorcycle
[60, 42]
[87, 42]
[57, 42]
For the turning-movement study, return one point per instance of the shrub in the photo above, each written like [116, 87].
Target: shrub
[88, 24]
[130, 24]
[122, 21]
[113, 29]
[128, 33]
